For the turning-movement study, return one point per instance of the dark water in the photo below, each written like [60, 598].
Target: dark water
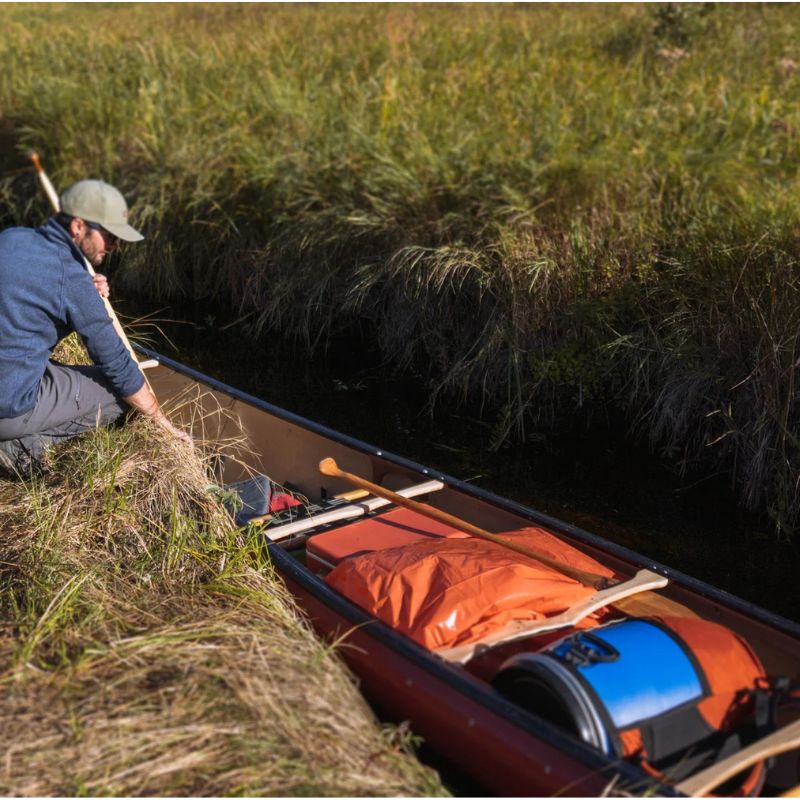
[597, 479]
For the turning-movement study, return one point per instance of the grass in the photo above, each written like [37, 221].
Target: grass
[147, 647]
[539, 209]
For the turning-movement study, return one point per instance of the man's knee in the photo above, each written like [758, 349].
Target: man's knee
[96, 394]
[75, 399]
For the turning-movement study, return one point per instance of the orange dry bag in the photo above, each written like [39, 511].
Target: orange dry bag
[444, 592]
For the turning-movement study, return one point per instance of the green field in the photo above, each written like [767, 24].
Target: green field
[540, 208]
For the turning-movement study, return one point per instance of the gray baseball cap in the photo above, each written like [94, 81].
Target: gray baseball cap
[99, 202]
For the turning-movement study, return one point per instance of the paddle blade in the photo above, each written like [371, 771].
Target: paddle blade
[328, 467]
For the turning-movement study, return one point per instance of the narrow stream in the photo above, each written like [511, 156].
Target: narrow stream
[598, 480]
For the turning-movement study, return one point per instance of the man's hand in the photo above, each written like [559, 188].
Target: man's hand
[182, 436]
[145, 402]
[101, 284]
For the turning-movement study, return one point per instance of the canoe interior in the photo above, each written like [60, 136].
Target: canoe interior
[288, 448]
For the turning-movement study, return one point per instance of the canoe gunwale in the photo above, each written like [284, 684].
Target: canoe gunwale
[693, 585]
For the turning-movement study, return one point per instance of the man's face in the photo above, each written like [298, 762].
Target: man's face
[93, 241]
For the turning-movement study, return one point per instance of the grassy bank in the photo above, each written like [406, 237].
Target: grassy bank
[147, 648]
[538, 208]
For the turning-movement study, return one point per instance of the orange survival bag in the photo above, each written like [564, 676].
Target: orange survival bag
[444, 592]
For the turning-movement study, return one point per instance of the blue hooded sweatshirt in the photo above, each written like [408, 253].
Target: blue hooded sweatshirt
[45, 293]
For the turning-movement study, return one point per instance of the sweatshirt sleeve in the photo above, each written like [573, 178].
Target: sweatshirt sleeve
[85, 313]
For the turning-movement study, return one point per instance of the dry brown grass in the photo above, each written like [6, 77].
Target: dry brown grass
[146, 647]
[217, 695]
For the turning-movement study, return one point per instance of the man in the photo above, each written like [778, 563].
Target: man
[45, 293]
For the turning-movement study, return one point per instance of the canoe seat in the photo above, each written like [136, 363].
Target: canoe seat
[395, 528]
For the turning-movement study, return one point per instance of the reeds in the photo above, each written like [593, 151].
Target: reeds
[539, 208]
[147, 648]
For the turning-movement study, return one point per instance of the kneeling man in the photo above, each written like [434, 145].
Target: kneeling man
[45, 294]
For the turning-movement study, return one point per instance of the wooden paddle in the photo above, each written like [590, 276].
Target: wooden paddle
[52, 196]
[780, 741]
[329, 467]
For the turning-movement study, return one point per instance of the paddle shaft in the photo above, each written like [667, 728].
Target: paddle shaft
[329, 467]
[643, 581]
[52, 196]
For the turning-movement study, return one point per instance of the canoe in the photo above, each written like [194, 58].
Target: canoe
[525, 709]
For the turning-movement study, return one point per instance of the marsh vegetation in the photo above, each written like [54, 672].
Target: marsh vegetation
[540, 211]
[147, 647]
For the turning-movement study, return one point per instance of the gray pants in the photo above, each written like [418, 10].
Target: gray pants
[71, 400]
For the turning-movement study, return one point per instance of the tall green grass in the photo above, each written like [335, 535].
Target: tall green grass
[536, 207]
